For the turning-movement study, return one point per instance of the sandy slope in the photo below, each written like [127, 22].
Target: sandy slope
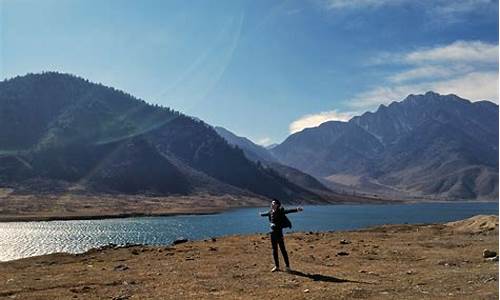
[389, 262]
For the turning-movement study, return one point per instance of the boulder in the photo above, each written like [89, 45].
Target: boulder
[489, 253]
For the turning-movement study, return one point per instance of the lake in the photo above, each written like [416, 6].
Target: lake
[24, 239]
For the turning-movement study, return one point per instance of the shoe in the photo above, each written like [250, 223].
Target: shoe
[288, 270]
[275, 269]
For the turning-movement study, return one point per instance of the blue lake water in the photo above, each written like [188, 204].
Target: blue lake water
[23, 239]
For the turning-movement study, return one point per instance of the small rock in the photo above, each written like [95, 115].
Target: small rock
[306, 291]
[372, 273]
[490, 279]
[212, 249]
[121, 268]
[362, 271]
[488, 253]
[342, 253]
[410, 272]
[214, 240]
[179, 241]
[134, 252]
[344, 242]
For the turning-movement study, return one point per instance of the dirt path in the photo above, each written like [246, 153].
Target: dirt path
[388, 262]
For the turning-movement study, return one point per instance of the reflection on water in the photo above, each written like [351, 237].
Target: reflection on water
[23, 239]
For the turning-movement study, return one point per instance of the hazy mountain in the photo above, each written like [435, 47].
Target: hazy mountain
[253, 151]
[429, 145]
[260, 154]
[61, 130]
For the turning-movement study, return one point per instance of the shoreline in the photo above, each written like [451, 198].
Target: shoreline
[107, 217]
[204, 211]
[376, 227]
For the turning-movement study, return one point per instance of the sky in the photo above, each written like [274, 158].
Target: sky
[262, 69]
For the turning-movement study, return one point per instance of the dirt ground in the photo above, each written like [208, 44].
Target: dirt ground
[443, 261]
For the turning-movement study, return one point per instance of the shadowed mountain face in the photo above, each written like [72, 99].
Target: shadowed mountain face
[429, 145]
[61, 128]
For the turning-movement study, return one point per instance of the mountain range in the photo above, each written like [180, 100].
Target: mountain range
[432, 146]
[62, 132]
[59, 132]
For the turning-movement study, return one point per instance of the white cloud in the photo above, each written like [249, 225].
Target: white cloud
[450, 10]
[341, 4]
[459, 51]
[314, 120]
[437, 12]
[473, 86]
[265, 141]
[421, 72]
[436, 7]
[431, 72]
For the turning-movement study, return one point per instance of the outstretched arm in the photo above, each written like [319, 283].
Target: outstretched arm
[264, 214]
[293, 210]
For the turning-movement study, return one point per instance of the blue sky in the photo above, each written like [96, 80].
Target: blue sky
[262, 69]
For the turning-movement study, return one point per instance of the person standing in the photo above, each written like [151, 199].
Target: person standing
[278, 220]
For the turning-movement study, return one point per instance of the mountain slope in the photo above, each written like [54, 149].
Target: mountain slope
[263, 156]
[428, 145]
[60, 128]
[252, 151]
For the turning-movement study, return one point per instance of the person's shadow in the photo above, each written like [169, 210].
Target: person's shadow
[324, 278]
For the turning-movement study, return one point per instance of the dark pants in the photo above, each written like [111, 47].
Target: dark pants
[277, 239]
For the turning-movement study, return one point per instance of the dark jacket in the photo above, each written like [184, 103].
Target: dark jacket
[278, 218]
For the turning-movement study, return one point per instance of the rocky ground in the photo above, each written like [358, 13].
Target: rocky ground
[443, 261]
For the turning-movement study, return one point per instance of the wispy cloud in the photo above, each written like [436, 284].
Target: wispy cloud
[424, 72]
[438, 11]
[356, 4]
[313, 120]
[459, 51]
[265, 141]
[465, 68]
